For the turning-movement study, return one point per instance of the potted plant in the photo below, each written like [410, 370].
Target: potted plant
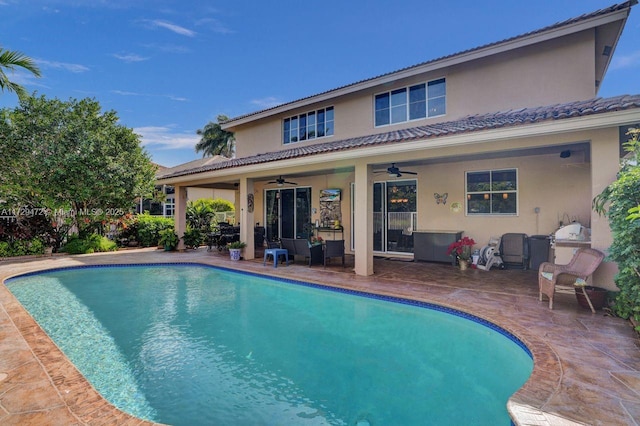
[168, 239]
[192, 238]
[316, 241]
[235, 248]
[461, 249]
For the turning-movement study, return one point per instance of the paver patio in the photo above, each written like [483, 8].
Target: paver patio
[587, 366]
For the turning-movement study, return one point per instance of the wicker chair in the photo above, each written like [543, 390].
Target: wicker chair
[562, 278]
[333, 248]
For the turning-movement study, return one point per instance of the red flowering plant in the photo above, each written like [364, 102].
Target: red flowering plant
[315, 240]
[461, 249]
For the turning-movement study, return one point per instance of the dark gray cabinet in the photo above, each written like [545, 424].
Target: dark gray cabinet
[431, 246]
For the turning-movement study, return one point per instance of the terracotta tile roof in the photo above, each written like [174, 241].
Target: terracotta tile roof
[557, 25]
[473, 123]
[199, 163]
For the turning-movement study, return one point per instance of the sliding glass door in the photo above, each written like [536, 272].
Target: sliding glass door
[394, 216]
[286, 212]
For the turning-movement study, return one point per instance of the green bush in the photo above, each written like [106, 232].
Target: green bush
[193, 238]
[21, 248]
[168, 239]
[149, 228]
[5, 249]
[36, 246]
[93, 243]
[619, 202]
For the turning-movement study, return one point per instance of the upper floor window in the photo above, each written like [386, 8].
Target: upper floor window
[312, 125]
[492, 192]
[411, 103]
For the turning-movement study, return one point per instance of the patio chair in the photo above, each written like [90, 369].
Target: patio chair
[287, 243]
[272, 244]
[304, 248]
[333, 248]
[563, 278]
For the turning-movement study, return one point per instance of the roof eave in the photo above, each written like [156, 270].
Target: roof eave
[539, 129]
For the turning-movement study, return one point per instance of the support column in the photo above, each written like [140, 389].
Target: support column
[247, 218]
[180, 214]
[605, 164]
[363, 219]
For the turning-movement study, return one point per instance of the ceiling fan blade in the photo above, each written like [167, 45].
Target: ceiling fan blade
[408, 173]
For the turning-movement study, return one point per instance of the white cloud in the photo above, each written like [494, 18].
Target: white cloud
[626, 61]
[264, 103]
[215, 25]
[149, 95]
[24, 78]
[125, 93]
[165, 137]
[131, 57]
[173, 27]
[74, 68]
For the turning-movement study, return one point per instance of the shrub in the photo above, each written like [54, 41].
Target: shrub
[193, 238]
[5, 249]
[20, 248]
[75, 245]
[36, 246]
[93, 243]
[149, 228]
[169, 239]
[623, 197]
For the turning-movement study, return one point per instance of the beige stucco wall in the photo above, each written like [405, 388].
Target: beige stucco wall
[194, 193]
[561, 188]
[545, 181]
[556, 71]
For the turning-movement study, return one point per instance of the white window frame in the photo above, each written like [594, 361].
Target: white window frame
[297, 120]
[170, 206]
[407, 103]
[491, 192]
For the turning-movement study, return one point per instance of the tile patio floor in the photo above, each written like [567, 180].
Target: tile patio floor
[587, 366]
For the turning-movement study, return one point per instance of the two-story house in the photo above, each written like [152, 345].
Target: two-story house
[506, 137]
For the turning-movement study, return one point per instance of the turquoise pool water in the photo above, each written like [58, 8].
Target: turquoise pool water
[192, 344]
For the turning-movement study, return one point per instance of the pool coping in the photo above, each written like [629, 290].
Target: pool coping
[525, 406]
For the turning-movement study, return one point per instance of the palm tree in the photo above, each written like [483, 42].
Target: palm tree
[11, 60]
[216, 141]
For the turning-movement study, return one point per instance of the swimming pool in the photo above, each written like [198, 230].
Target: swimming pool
[192, 344]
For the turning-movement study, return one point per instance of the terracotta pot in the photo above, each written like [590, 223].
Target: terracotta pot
[597, 295]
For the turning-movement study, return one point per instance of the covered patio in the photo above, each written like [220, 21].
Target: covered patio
[587, 366]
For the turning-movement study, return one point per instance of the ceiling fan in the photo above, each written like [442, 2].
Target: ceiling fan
[280, 181]
[394, 171]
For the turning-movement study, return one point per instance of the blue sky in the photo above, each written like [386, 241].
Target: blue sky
[168, 67]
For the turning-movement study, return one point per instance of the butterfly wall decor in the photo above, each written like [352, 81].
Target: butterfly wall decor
[441, 198]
